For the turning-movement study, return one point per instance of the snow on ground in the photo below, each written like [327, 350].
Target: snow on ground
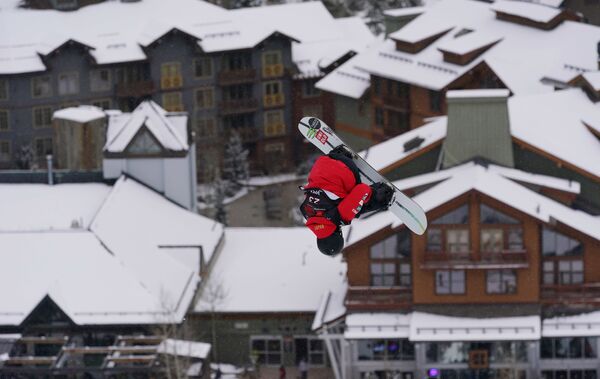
[292, 279]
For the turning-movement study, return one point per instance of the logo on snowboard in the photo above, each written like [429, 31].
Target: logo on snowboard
[313, 130]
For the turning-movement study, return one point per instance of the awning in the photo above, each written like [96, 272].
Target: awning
[377, 325]
[431, 327]
[581, 325]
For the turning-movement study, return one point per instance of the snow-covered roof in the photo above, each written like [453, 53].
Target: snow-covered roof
[554, 123]
[593, 78]
[347, 80]
[389, 152]
[477, 93]
[115, 33]
[408, 11]
[184, 348]
[585, 324]
[377, 325]
[270, 270]
[521, 58]
[97, 252]
[332, 306]
[470, 177]
[80, 114]
[530, 11]
[432, 327]
[537, 179]
[169, 129]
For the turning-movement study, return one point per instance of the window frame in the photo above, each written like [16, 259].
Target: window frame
[267, 352]
[74, 74]
[35, 145]
[397, 260]
[109, 84]
[203, 90]
[6, 112]
[169, 107]
[451, 281]
[278, 128]
[4, 89]
[210, 64]
[33, 86]
[501, 274]
[201, 129]
[6, 142]
[34, 117]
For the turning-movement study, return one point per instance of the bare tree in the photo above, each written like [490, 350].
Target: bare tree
[213, 295]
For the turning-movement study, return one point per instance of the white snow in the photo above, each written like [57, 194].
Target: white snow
[593, 78]
[291, 277]
[469, 42]
[392, 151]
[81, 114]
[377, 325]
[537, 179]
[431, 327]
[584, 325]
[169, 129]
[531, 11]
[477, 93]
[40, 207]
[523, 56]
[184, 348]
[332, 306]
[408, 11]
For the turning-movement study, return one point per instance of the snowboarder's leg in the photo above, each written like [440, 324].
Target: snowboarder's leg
[380, 199]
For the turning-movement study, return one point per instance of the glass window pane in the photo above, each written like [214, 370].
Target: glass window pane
[561, 347]
[258, 345]
[515, 239]
[376, 268]
[434, 239]
[274, 345]
[458, 216]
[576, 374]
[365, 350]
[404, 243]
[458, 281]
[590, 347]
[590, 374]
[389, 268]
[489, 215]
[575, 347]
[547, 374]
[393, 350]
[457, 240]
[442, 282]
[431, 351]
[492, 240]
[390, 247]
[377, 250]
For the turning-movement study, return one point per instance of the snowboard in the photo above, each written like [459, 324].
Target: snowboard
[325, 139]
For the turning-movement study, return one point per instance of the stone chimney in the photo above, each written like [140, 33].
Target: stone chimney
[478, 127]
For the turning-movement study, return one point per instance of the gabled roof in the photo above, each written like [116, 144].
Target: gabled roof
[521, 57]
[471, 177]
[264, 270]
[104, 255]
[527, 10]
[168, 129]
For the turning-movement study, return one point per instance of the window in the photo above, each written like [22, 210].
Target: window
[569, 347]
[203, 68]
[489, 215]
[206, 127]
[268, 351]
[557, 244]
[461, 352]
[271, 64]
[104, 103]
[68, 83]
[3, 89]
[273, 94]
[376, 83]
[237, 61]
[42, 117]
[397, 122]
[570, 374]
[562, 272]
[435, 101]
[450, 232]
[450, 282]
[492, 240]
[144, 144]
[4, 151]
[386, 350]
[397, 89]
[205, 98]
[501, 281]
[3, 120]
[390, 261]
[272, 88]
[316, 351]
[43, 147]
[41, 86]
[309, 88]
[100, 80]
[242, 123]
[379, 117]
[274, 124]
[170, 75]
[237, 92]
[172, 102]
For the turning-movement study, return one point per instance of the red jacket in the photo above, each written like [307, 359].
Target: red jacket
[334, 176]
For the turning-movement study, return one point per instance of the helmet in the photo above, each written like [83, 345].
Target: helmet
[331, 245]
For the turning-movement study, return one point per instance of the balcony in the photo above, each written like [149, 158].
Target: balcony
[583, 294]
[272, 71]
[171, 82]
[507, 259]
[236, 77]
[238, 106]
[276, 100]
[134, 89]
[378, 298]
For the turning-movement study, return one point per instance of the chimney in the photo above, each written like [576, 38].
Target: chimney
[478, 127]
[49, 165]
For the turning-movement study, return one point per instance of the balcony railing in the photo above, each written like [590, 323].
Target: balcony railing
[237, 76]
[380, 298]
[467, 260]
[584, 293]
[135, 89]
[238, 106]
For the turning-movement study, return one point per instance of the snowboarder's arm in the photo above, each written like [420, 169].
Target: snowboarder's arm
[353, 203]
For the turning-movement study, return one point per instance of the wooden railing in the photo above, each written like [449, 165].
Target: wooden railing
[238, 106]
[135, 89]
[468, 260]
[380, 298]
[584, 293]
[237, 76]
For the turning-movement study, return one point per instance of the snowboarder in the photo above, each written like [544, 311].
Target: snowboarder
[335, 196]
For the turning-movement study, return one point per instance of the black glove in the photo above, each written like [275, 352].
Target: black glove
[381, 197]
[333, 215]
[340, 151]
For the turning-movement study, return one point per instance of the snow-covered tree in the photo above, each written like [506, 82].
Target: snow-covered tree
[235, 163]
[219, 201]
[245, 3]
[25, 157]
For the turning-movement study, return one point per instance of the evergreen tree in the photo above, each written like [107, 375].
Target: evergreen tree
[219, 201]
[25, 157]
[235, 163]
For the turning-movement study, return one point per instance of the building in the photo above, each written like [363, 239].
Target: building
[261, 297]
[95, 276]
[504, 283]
[227, 68]
[397, 85]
